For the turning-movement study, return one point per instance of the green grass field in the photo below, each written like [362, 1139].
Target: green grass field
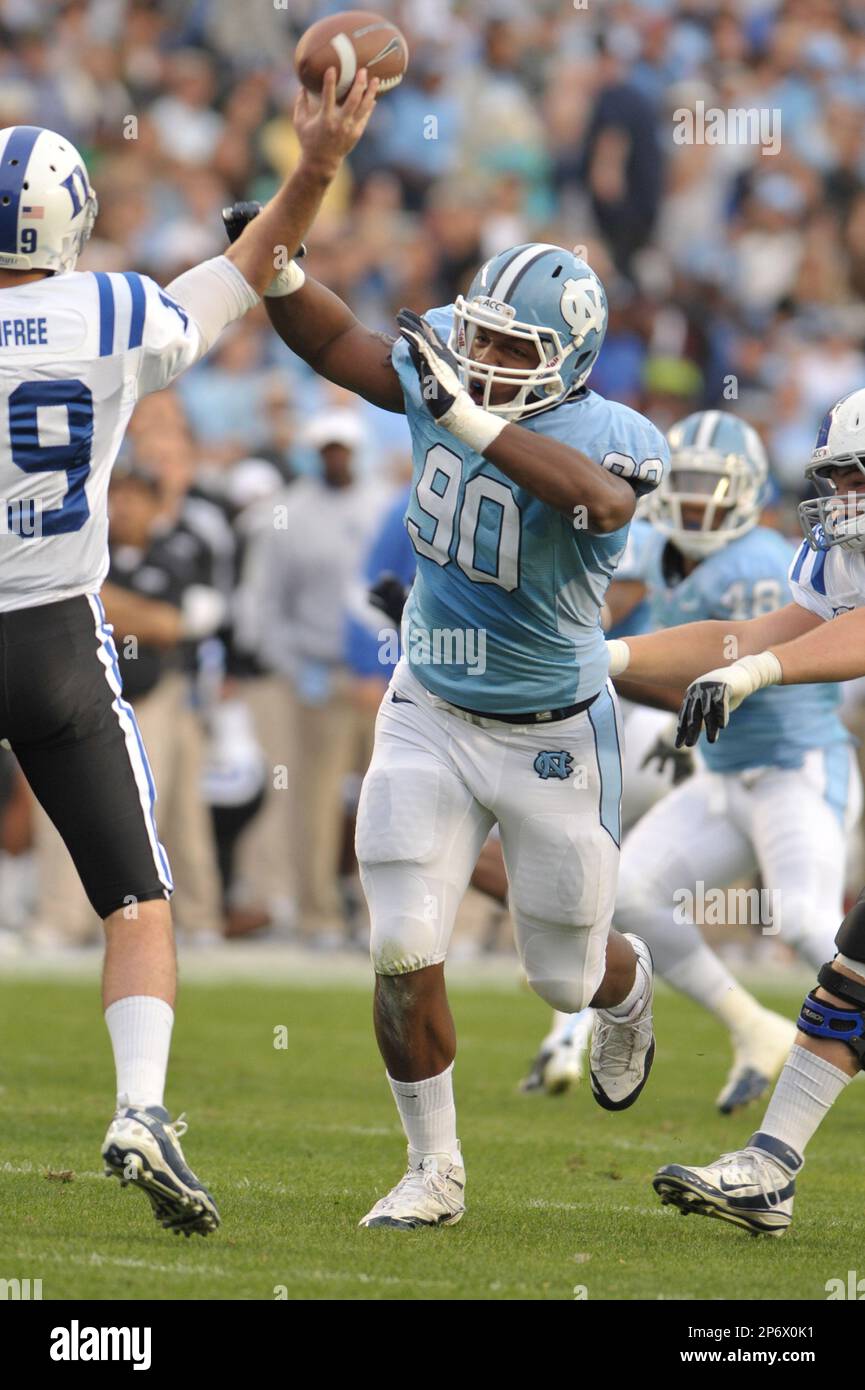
[297, 1143]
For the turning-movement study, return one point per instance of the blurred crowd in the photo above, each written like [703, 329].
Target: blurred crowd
[246, 499]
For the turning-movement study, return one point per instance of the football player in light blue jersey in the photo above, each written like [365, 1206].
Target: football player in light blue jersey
[500, 712]
[816, 637]
[776, 796]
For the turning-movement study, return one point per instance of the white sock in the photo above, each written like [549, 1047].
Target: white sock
[140, 1028]
[807, 1088]
[634, 999]
[562, 1024]
[429, 1116]
[706, 980]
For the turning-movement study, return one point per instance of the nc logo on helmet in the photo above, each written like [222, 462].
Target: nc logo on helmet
[582, 308]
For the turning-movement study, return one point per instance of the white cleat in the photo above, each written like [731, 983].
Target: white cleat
[622, 1052]
[143, 1147]
[431, 1194]
[566, 1065]
[758, 1057]
[560, 1063]
[753, 1188]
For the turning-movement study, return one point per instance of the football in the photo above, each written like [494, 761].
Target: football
[348, 41]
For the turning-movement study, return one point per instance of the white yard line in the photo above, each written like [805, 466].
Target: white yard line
[97, 1261]
[275, 964]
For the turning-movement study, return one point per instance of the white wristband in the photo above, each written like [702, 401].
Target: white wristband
[620, 655]
[745, 676]
[751, 673]
[285, 282]
[472, 426]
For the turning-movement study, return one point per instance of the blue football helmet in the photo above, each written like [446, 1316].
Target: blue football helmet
[546, 296]
[718, 463]
[834, 519]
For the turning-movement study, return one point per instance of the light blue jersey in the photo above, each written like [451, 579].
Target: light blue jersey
[633, 566]
[504, 612]
[745, 579]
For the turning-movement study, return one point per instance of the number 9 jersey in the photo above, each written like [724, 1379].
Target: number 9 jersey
[504, 614]
[77, 351]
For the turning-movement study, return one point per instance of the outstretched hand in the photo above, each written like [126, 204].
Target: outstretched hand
[706, 706]
[328, 130]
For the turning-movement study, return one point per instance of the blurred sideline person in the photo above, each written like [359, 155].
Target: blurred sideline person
[300, 576]
[78, 350]
[242, 716]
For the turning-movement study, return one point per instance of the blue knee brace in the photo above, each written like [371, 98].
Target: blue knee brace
[820, 1019]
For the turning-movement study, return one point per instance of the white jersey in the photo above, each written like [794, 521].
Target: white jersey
[828, 582]
[76, 353]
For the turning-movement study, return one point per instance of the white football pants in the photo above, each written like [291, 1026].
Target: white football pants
[437, 783]
[788, 824]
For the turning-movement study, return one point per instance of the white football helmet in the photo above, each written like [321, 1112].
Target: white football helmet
[718, 466]
[833, 518]
[47, 206]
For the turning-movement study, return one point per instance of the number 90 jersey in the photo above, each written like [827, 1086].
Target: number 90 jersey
[504, 614]
[76, 352]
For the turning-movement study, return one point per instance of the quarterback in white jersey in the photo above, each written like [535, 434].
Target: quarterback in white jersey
[77, 350]
[818, 637]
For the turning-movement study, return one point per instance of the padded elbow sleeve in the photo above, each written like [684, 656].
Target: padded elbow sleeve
[214, 294]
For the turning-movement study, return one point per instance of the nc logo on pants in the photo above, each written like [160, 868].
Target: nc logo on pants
[559, 764]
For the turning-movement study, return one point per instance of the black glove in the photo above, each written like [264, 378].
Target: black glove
[666, 754]
[239, 215]
[388, 594]
[706, 705]
[435, 364]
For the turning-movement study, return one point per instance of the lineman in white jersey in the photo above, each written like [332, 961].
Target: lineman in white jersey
[818, 637]
[77, 350]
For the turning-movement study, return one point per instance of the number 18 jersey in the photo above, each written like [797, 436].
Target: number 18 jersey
[76, 353]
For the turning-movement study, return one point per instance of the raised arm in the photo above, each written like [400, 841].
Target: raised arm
[327, 133]
[182, 323]
[320, 328]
